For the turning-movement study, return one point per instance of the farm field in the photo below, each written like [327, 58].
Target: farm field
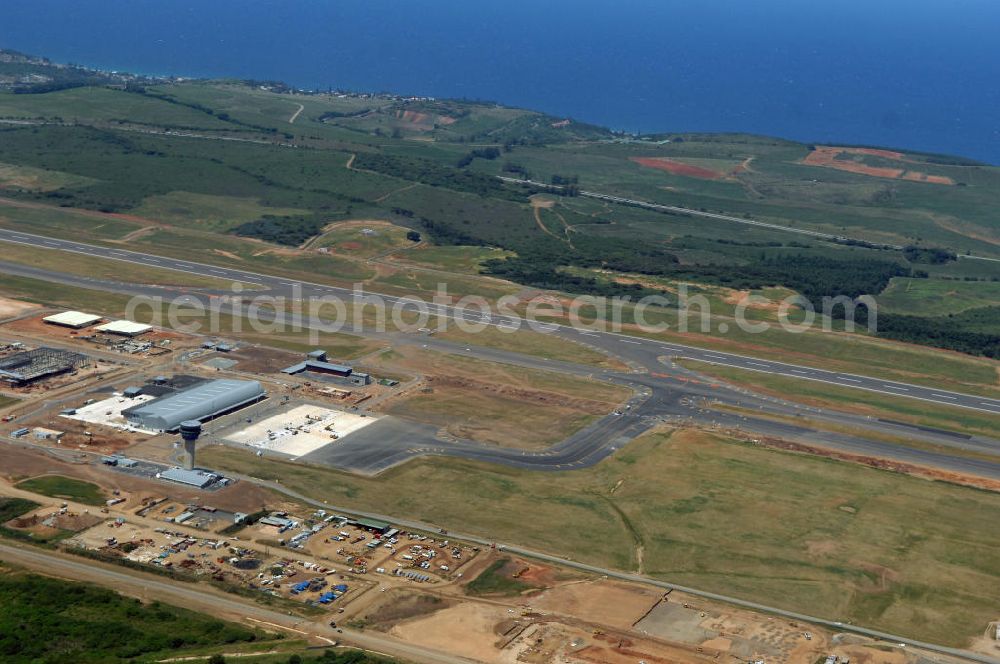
[734, 518]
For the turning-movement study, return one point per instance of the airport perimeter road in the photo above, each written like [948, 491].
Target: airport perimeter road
[641, 350]
[211, 601]
[834, 625]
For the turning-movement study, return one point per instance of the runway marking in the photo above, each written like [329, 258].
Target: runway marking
[896, 387]
[942, 396]
[626, 341]
[853, 380]
[760, 364]
[77, 247]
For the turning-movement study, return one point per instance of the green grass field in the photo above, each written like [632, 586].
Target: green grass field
[494, 581]
[103, 105]
[111, 270]
[460, 260]
[67, 488]
[534, 343]
[70, 297]
[815, 535]
[207, 212]
[38, 179]
[935, 297]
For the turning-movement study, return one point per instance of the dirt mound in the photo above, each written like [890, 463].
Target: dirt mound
[397, 607]
[10, 308]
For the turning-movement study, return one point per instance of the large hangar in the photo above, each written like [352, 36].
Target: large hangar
[202, 402]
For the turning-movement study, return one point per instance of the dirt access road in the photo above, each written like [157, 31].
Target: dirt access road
[211, 601]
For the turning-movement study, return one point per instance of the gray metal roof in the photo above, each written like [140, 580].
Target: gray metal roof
[189, 477]
[198, 402]
[314, 364]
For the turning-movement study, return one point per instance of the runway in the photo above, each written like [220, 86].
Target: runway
[663, 393]
[626, 346]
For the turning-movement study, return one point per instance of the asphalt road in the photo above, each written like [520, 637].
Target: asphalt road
[199, 598]
[625, 346]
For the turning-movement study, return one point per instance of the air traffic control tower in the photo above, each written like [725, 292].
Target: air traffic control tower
[189, 430]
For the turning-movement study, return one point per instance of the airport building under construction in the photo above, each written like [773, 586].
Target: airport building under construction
[29, 366]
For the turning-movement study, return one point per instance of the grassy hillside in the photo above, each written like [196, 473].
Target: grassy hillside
[230, 158]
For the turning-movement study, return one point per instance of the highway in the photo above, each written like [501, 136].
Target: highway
[197, 597]
[628, 347]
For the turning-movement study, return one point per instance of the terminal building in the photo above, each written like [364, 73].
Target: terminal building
[316, 365]
[202, 401]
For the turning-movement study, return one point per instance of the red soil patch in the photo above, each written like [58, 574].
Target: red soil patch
[349, 246]
[924, 177]
[827, 157]
[676, 167]
[413, 116]
[423, 121]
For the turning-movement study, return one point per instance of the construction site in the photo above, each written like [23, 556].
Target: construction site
[427, 588]
[25, 367]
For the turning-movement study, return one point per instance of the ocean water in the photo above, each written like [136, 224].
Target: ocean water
[916, 74]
